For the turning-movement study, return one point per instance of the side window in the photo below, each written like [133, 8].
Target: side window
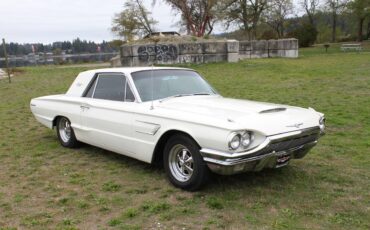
[110, 87]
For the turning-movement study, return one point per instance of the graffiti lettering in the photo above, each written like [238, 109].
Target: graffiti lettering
[161, 53]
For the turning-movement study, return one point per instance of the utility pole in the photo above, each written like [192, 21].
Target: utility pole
[6, 60]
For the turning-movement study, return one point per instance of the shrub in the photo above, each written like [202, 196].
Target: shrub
[306, 35]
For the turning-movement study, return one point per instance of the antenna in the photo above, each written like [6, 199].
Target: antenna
[152, 106]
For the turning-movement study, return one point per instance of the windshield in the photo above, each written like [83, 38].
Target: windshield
[169, 83]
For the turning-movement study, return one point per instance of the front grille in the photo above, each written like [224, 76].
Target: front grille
[291, 143]
[287, 144]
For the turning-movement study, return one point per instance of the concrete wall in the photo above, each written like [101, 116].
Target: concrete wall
[287, 48]
[205, 52]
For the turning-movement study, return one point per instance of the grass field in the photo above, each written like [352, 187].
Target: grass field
[43, 185]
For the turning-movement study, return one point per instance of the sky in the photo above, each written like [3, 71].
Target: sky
[46, 21]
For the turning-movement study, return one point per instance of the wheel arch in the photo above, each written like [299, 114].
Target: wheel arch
[54, 123]
[157, 158]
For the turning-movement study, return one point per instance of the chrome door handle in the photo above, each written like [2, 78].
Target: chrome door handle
[83, 107]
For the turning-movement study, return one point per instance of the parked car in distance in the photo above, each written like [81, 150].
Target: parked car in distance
[173, 116]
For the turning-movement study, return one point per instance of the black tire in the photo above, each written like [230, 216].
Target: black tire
[178, 173]
[70, 140]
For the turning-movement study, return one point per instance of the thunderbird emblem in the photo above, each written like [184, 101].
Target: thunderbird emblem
[297, 125]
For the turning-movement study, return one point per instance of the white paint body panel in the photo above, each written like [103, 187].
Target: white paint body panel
[134, 129]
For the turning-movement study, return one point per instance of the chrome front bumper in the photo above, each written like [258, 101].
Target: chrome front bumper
[292, 145]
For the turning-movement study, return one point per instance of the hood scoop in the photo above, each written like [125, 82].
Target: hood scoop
[273, 110]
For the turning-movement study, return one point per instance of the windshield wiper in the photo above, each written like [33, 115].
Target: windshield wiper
[173, 96]
[196, 94]
[183, 95]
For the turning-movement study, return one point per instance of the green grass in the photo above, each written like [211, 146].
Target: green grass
[43, 185]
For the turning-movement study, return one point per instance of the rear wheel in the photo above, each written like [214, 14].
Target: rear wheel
[65, 133]
[183, 163]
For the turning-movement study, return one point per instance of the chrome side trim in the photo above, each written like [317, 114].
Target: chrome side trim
[154, 130]
[149, 133]
[145, 122]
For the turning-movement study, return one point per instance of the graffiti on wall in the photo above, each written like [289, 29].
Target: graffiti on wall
[162, 53]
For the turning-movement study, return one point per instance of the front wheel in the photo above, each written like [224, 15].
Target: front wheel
[183, 163]
[65, 133]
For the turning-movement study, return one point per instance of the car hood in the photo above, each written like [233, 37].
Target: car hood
[265, 117]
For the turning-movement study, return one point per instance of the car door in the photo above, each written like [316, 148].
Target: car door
[107, 113]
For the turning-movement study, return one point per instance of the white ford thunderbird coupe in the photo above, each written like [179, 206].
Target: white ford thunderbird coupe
[173, 116]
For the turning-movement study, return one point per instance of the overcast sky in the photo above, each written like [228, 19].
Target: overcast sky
[57, 20]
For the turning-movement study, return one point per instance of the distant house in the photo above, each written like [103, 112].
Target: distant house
[162, 34]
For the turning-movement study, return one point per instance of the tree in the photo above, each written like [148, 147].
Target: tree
[198, 16]
[246, 14]
[276, 14]
[257, 8]
[335, 7]
[238, 12]
[306, 34]
[133, 21]
[310, 7]
[361, 10]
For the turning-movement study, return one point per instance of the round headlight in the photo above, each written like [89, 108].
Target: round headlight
[246, 139]
[235, 142]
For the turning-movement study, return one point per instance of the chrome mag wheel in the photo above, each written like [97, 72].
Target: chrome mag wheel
[181, 163]
[65, 130]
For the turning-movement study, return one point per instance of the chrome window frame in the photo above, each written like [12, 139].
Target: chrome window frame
[96, 82]
[136, 92]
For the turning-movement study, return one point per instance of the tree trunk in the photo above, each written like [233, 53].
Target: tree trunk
[368, 30]
[310, 19]
[254, 28]
[246, 29]
[282, 30]
[210, 27]
[334, 27]
[360, 24]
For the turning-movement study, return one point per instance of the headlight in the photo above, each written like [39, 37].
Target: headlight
[235, 142]
[246, 139]
[240, 140]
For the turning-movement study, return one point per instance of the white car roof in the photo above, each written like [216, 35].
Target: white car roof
[83, 79]
[129, 70]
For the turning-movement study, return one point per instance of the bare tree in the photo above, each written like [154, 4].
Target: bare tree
[199, 15]
[146, 22]
[335, 8]
[237, 12]
[133, 21]
[310, 6]
[276, 14]
[257, 8]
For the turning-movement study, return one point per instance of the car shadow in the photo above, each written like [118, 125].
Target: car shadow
[285, 176]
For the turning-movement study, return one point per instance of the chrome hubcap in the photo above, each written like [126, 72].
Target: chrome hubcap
[181, 163]
[64, 129]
